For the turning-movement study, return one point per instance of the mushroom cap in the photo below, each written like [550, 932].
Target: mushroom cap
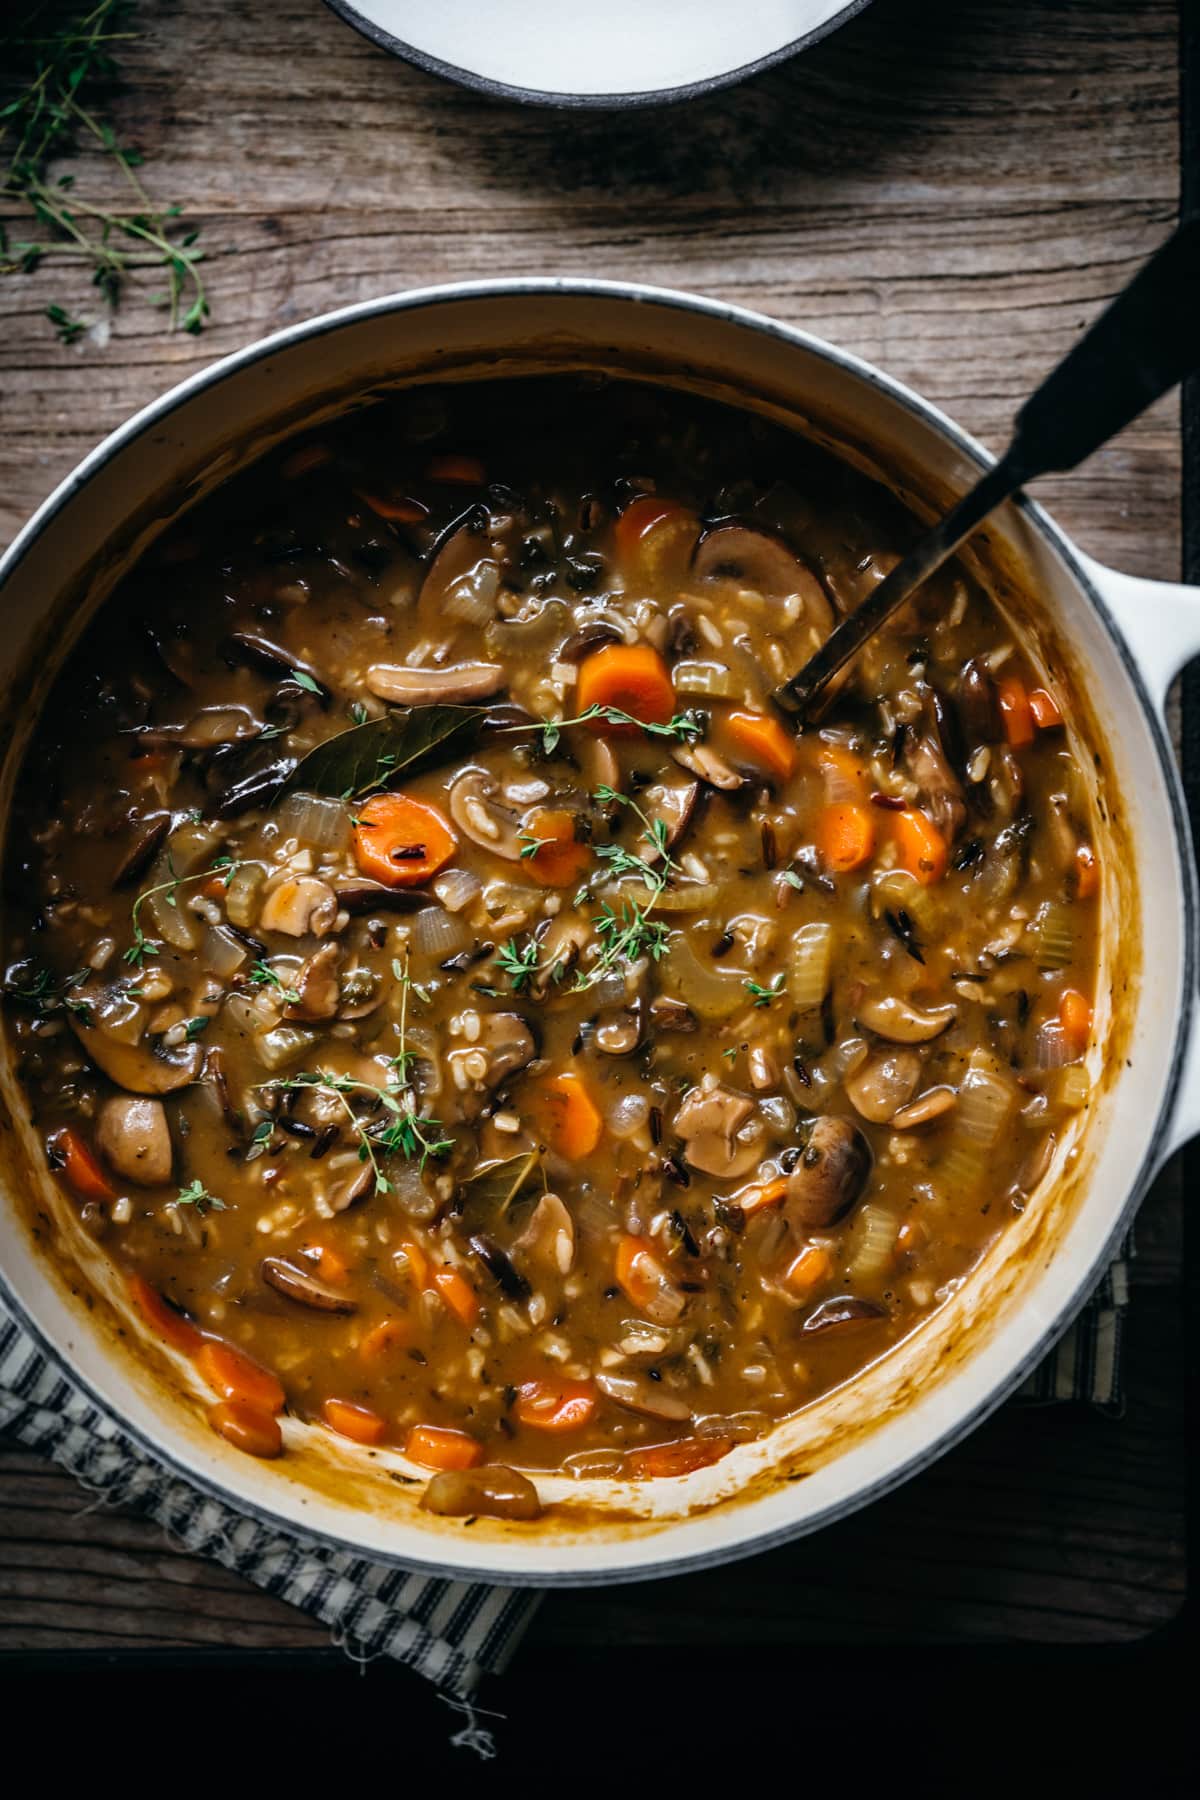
[831, 1175]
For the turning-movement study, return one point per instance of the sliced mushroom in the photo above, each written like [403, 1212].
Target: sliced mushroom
[548, 1240]
[707, 1121]
[843, 1311]
[934, 1103]
[710, 767]
[884, 1083]
[296, 1284]
[317, 986]
[902, 1022]
[671, 806]
[978, 704]
[507, 1042]
[136, 1139]
[256, 652]
[256, 786]
[833, 1170]
[667, 1014]
[494, 1492]
[474, 810]
[619, 1029]
[299, 906]
[642, 1395]
[419, 687]
[500, 1267]
[144, 1068]
[148, 836]
[765, 564]
[356, 896]
[592, 636]
[927, 764]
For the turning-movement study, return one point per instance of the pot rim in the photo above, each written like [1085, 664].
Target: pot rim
[943, 1439]
[584, 102]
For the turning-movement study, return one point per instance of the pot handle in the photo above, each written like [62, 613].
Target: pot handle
[1160, 622]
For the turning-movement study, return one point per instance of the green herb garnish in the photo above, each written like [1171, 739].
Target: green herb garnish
[197, 1195]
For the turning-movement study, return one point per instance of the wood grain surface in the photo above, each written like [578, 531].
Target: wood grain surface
[948, 187]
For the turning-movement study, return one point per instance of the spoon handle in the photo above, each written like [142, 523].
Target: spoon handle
[1139, 347]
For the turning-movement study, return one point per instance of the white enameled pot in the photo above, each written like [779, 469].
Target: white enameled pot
[1116, 640]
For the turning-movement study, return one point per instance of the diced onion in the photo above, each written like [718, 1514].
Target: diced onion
[628, 1115]
[457, 888]
[809, 964]
[439, 934]
[472, 598]
[708, 678]
[322, 823]
[222, 952]
[169, 922]
[276, 1049]
[986, 1100]
[1073, 1088]
[688, 897]
[875, 1241]
[410, 1191]
[1053, 1050]
[241, 894]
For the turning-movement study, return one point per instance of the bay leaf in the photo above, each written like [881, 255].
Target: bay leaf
[367, 757]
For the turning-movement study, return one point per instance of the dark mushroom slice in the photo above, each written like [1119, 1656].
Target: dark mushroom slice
[317, 986]
[639, 1394]
[833, 1170]
[927, 764]
[500, 1267]
[148, 834]
[255, 652]
[667, 1014]
[359, 1187]
[592, 636]
[475, 811]
[145, 1068]
[255, 786]
[978, 704]
[494, 1492]
[842, 1312]
[712, 769]
[671, 807]
[620, 1030]
[760, 561]
[508, 1044]
[360, 896]
[304, 1289]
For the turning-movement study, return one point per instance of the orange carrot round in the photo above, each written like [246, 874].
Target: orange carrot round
[766, 743]
[554, 1405]
[400, 841]
[560, 857]
[438, 1447]
[631, 678]
[1075, 1018]
[1087, 872]
[457, 1295]
[923, 850]
[680, 1458]
[809, 1269]
[247, 1428]
[386, 1339]
[418, 1263]
[233, 1375]
[361, 1423]
[75, 1161]
[565, 1115]
[639, 1271]
[768, 1193]
[163, 1319]
[1015, 712]
[846, 836]
[1045, 710]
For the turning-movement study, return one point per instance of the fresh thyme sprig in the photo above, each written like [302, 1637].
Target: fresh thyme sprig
[197, 1195]
[143, 946]
[519, 962]
[56, 64]
[763, 996]
[684, 728]
[41, 995]
[263, 975]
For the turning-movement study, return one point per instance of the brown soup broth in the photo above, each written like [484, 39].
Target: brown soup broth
[666, 1078]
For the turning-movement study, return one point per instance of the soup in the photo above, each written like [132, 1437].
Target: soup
[465, 1011]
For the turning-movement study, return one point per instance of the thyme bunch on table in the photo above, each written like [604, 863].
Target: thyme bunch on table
[57, 71]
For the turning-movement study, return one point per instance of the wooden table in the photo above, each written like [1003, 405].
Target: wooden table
[948, 187]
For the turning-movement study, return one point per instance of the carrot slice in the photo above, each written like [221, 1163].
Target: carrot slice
[437, 1447]
[767, 743]
[1075, 1017]
[457, 1294]
[1015, 712]
[1087, 872]
[400, 841]
[843, 775]
[171, 1326]
[846, 836]
[559, 858]
[358, 1422]
[386, 1339]
[809, 1269]
[1044, 707]
[246, 1427]
[634, 679]
[639, 1271]
[679, 1458]
[233, 1375]
[71, 1156]
[554, 1405]
[924, 852]
[769, 1193]
[331, 1264]
[564, 1113]
[459, 471]
[418, 1263]
[652, 533]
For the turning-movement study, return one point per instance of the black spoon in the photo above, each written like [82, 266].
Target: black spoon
[1146, 341]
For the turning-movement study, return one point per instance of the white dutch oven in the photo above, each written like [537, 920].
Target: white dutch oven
[1116, 639]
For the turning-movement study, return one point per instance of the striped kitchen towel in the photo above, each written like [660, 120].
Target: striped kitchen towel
[452, 1632]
